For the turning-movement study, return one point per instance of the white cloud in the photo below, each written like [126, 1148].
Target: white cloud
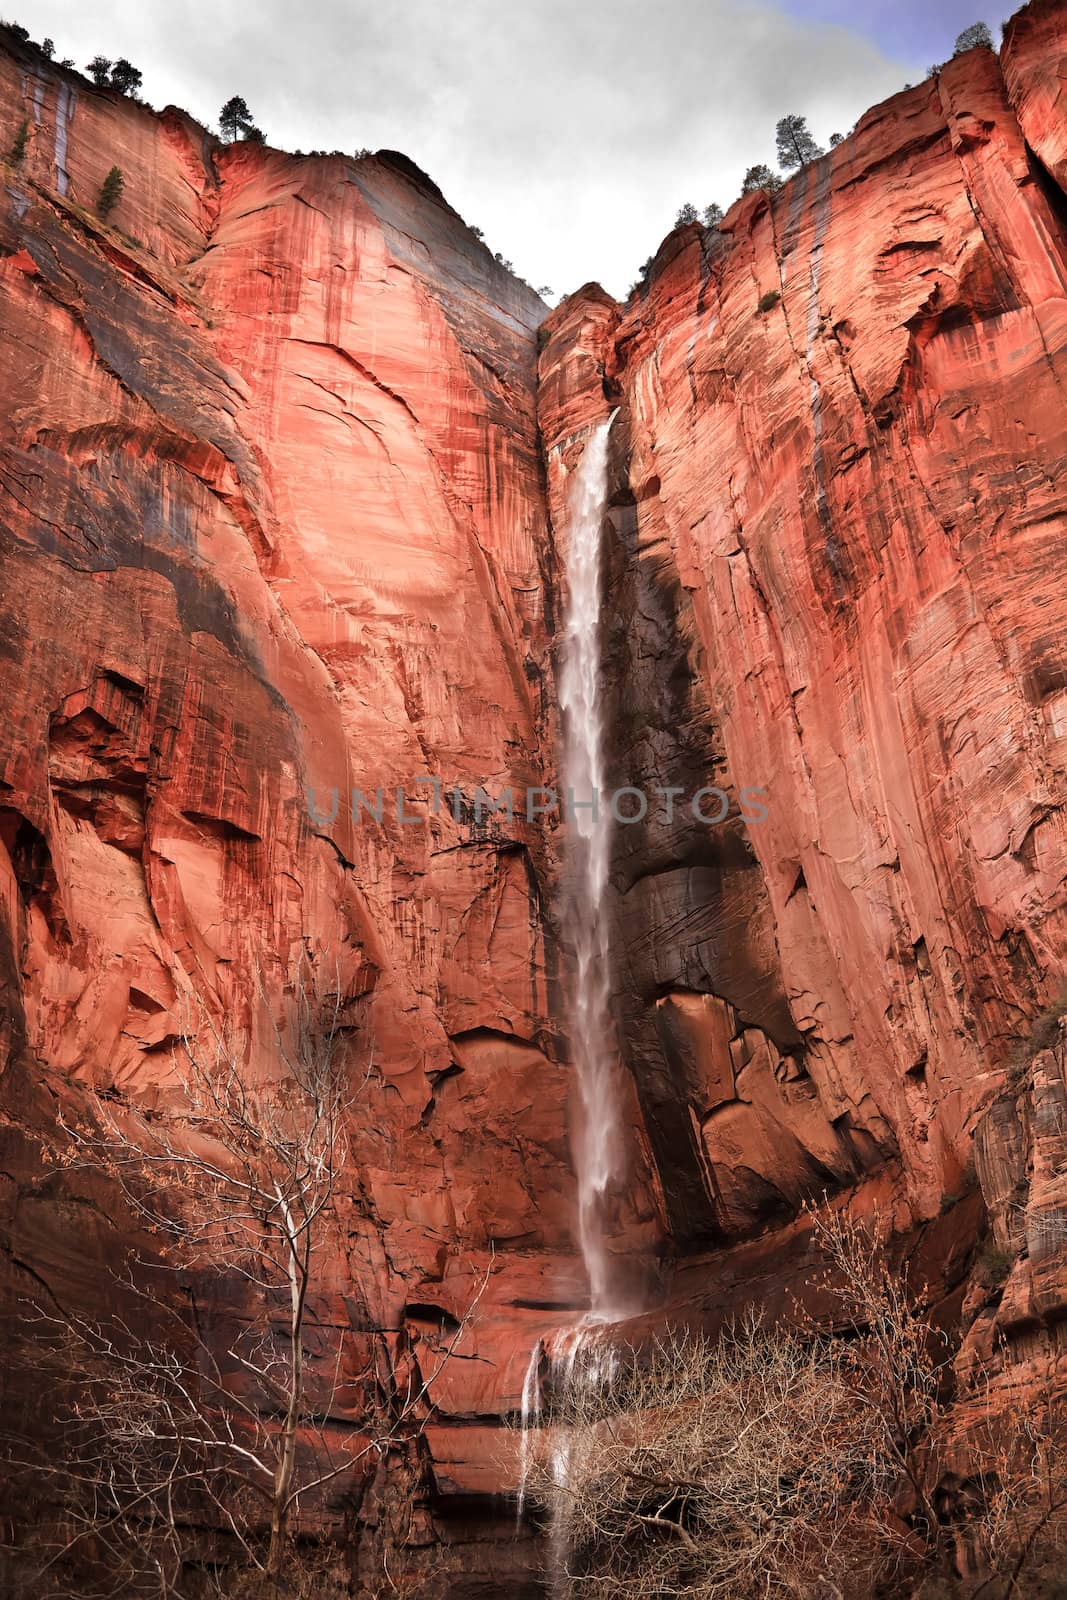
[570, 132]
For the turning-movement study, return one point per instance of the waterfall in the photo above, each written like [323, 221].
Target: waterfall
[583, 1352]
[598, 1140]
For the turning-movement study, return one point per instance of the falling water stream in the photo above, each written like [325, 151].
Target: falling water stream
[582, 1352]
[598, 1140]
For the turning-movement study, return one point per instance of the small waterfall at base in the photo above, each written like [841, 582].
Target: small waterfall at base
[583, 1353]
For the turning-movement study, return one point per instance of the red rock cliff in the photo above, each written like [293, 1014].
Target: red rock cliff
[273, 525]
[839, 533]
[275, 520]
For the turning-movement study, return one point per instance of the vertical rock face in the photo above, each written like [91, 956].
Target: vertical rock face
[839, 531]
[273, 534]
[280, 486]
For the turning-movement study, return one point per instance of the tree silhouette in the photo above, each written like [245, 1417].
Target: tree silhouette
[687, 213]
[796, 147]
[972, 38]
[713, 215]
[99, 69]
[125, 77]
[235, 120]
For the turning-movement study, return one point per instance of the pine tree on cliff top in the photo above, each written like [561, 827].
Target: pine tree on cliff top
[796, 146]
[236, 122]
[761, 177]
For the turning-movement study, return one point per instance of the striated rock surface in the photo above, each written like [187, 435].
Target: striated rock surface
[282, 496]
[272, 533]
[838, 551]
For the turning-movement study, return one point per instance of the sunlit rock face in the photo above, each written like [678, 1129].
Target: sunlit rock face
[282, 492]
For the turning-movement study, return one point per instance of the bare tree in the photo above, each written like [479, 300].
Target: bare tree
[236, 1181]
[899, 1362]
[1011, 1508]
[795, 1461]
[732, 1467]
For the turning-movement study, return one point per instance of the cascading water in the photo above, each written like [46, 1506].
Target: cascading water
[598, 1139]
[583, 1353]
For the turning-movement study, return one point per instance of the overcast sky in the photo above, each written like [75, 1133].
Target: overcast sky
[570, 131]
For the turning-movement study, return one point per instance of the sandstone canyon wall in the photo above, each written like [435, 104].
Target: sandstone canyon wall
[283, 485]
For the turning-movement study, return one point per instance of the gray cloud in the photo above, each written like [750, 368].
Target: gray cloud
[569, 132]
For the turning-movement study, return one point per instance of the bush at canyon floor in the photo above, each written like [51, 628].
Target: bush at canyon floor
[791, 1462]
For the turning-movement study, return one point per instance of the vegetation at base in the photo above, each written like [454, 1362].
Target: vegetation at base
[110, 193]
[155, 1476]
[803, 1461]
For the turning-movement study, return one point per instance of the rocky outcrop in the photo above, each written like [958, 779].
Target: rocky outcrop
[282, 494]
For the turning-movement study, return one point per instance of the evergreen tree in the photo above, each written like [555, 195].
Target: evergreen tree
[47, 48]
[99, 69]
[125, 77]
[686, 214]
[978, 34]
[836, 139]
[235, 119]
[761, 177]
[18, 144]
[110, 193]
[713, 215]
[796, 147]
